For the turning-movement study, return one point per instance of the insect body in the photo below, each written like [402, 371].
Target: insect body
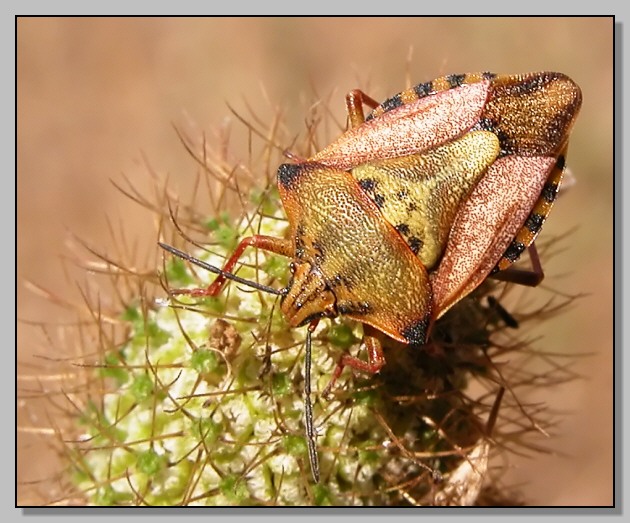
[415, 205]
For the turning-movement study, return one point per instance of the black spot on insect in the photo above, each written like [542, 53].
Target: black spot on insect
[338, 280]
[455, 80]
[415, 244]
[416, 333]
[288, 173]
[402, 195]
[506, 144]
[485, 124]
[403, 229]
[356, 308]
[368, 184]
[550, 191]
[527, 85]
[534, 222]
[488, 76]
[344, 308]
[392, 103]
[299, 242]
[411, 207]
[424, 89]
[379, 200]
[514, 251]
[560, 162]
[319, 254]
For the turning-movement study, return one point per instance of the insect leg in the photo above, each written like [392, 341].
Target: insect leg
[507, 318]
[494, 412]
[530, 278]
[266, 243]
[355, 100]
[376, 359]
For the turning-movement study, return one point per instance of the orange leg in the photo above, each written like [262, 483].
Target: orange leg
[355, 100]
[376, 359]
[266, 243]
[530, 278]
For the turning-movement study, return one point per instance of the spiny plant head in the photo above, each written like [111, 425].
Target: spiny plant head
[199, 401]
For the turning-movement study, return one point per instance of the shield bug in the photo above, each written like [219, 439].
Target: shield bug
[415, 205]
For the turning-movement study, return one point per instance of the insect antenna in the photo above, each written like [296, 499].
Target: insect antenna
[216, 270]
[308, 409]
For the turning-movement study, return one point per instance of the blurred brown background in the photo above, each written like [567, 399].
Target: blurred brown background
[95, 93]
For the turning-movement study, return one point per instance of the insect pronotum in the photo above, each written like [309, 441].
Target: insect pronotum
[409, 210]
